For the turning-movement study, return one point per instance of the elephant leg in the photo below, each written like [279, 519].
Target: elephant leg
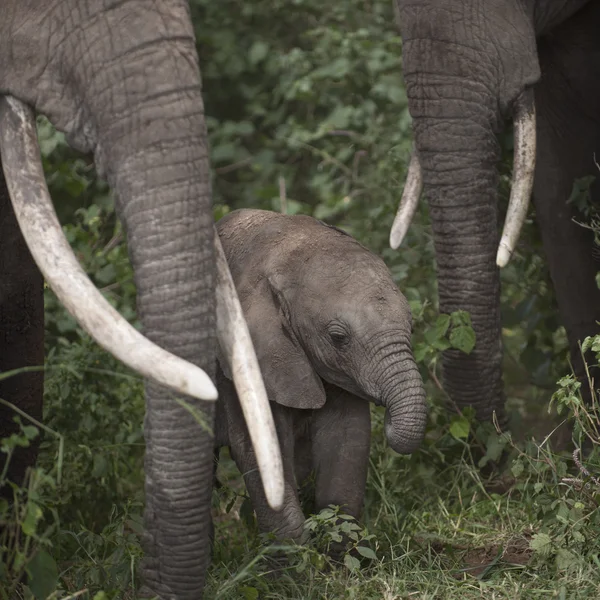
[21, 336]
[289, 521]
[341, 439]
[568, 137]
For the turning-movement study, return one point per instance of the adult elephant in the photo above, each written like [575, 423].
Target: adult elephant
[121, 79]
[468, 66]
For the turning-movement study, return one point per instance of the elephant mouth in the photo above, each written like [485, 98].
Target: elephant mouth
[49, 248]
[522, 183]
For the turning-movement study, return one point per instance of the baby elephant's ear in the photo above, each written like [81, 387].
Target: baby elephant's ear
[287, 372]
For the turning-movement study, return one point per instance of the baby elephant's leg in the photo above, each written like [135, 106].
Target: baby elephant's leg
[341, 438]
[287, 523]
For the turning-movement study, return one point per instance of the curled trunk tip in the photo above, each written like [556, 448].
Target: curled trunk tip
[406, 413]
[410, 437]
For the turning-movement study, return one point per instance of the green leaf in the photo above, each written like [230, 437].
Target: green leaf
[541, 543]
[517, 468]
[578, 536]
[326, 513]
[460, 428]
[587, 344]
[43, 575]
[30, 431]
[34, 514]
[460, 317]
[366, 552]
[442, 324]
[250, 593]
[565, 559]
[351, 562]
[463, 338]
[494, 447]
[420, 352]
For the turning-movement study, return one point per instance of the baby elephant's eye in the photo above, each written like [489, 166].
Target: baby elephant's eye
[338, 334]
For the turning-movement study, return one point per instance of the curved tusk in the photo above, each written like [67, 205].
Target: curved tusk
[44, 236]
[523, 173]
[413, 188]
[236, 346]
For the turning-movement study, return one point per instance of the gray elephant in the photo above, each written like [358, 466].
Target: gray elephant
[121, 79]
[331, 332]
[468, 66]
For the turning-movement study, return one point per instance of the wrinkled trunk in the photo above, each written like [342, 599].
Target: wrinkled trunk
[400, 388]
[154, 153]
[170, 237]
[464, 68]
[458, 152]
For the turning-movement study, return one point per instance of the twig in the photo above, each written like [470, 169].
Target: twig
[436, 380]
[282, 195]
[233, 166]
[343, 132]
[113, 242]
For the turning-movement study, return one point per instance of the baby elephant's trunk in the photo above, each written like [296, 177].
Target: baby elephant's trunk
[403, 395]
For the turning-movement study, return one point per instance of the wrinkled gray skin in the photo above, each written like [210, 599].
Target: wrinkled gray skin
[465, 62]
[121, 79]
[331, 331]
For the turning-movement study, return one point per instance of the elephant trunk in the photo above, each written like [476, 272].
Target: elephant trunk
[464, 74]
[458, 152]
[402, 393]
[154, 153]
[170, 231]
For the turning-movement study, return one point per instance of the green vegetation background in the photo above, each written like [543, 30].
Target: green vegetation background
[307, 113]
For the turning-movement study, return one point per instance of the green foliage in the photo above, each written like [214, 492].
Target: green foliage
[24, 532]
[330, 529]
[448, 331]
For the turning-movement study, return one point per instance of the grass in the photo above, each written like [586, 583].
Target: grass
[438, 524]
[440, 530]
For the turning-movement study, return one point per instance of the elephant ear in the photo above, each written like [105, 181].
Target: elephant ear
[289, 377]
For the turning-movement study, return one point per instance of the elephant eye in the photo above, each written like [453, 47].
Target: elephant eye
[338, 335]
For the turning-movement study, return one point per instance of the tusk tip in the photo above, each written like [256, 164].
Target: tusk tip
[274, 494]
[503, 256]
[397, 236]
[203, 388]
[394, 242]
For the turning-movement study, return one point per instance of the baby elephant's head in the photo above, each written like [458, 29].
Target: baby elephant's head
[320, 306]
[343, 314]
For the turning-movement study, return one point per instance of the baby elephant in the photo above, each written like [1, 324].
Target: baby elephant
[331, 331]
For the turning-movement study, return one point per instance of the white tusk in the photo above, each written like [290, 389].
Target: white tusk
[523, 173]
[44, 236]
[238, 350]
[408, 203]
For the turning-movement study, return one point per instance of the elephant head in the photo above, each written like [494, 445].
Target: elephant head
[322, 307]
[121, 79]
[468, 68]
